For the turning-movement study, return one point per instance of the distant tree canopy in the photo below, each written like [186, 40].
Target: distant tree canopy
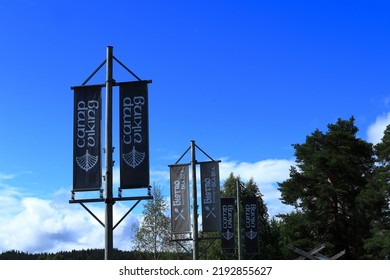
[89, 254]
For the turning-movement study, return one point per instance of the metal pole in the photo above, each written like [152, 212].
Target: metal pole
[109, 196]
[239, 220]
[195, 244]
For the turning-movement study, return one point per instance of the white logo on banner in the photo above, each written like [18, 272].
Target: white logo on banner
[228, 223]
[134, 158]
[179, 214]
[132, 129]
[87, 114]
[250, 220]
[210, 211]
[228, 235]
[87, 161]
[251, 234]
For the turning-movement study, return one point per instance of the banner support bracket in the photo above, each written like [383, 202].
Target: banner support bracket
[92, 214]
[94, 72]
[127, 213]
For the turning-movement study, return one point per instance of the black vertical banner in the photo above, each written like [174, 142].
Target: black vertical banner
[211, 198]
[134, 135]
[87, 173]
[227, 222]
[251, 225]
[180, 198]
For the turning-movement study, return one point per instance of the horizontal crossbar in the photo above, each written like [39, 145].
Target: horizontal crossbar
[146, 197]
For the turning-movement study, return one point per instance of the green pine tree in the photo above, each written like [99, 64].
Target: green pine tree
[326, 186]
[377, 200]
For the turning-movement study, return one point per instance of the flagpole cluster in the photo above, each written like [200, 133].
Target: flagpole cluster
[181, 220]
[87, 166]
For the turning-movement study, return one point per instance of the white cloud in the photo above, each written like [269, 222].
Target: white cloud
[266, 174]
[9, 199]
[265, 171]
[159, 176]
[4, 176]
[375, 131]
[42, 225]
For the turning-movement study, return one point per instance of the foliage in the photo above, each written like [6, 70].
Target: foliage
[330, 179]
[153, 234]
[378, 201]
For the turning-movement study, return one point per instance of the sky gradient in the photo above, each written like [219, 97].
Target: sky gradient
[244, 79]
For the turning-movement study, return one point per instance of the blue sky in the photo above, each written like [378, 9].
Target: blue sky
[244, 79]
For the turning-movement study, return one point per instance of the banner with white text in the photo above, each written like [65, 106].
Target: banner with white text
[211, 197]
[227, 222]
[87, 173]
[134, 135]
[180, 198]
[251, 223]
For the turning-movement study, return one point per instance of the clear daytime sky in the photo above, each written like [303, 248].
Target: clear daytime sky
[244, 79]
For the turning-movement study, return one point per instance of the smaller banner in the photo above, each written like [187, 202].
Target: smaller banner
[87, 172]
[211, 198]
[180, 199]
[134, 135]
[251, 225]
[227, 222]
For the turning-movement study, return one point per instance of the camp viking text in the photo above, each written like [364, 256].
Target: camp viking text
[250, 216]
[86, 123]
[210, 187]
[132, 119]
[227, 216]
[179, 188]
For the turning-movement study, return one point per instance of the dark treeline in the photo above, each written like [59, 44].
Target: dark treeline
[89, 254]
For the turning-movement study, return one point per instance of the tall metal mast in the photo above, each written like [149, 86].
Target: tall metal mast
[239, 249]
[195, 246]
[109, 163]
